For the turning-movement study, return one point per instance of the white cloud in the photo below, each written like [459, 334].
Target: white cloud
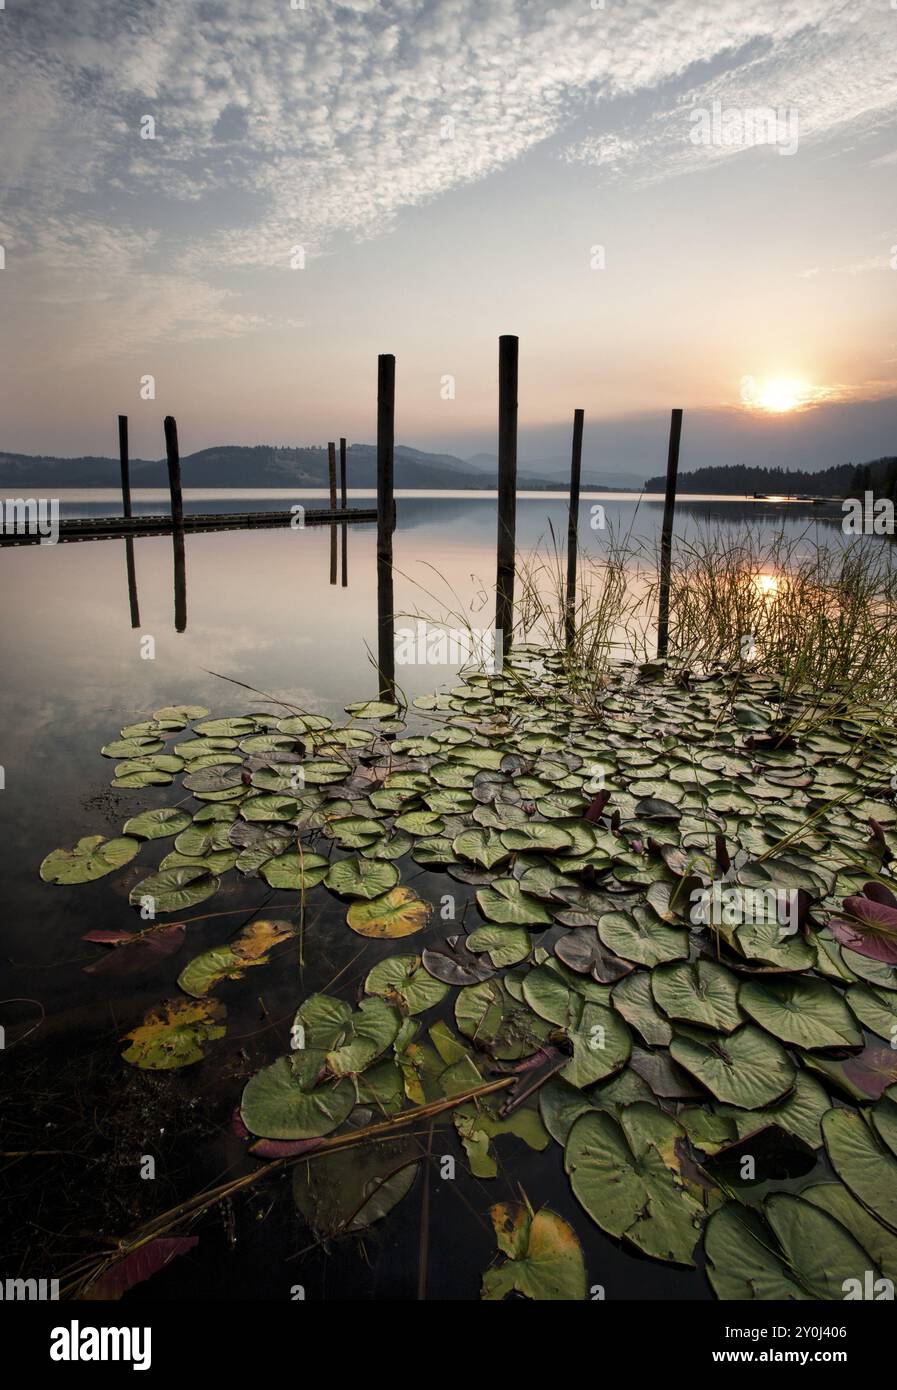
[342, 115]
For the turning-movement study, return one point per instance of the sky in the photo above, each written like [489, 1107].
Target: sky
[690, 203]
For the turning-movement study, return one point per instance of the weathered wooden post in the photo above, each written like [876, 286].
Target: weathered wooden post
[344, 571]
[386, 520]
[174, 471]
[507, 491]
[666, 535]
[331, 468]
[123, 455]
[331, 465]
[573, 527]
[177, 523]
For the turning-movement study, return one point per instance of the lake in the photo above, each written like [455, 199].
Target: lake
[257, 607]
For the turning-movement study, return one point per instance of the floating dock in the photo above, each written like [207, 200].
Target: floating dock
[98, 528]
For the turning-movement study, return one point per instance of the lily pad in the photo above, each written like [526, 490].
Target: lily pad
[400, 912]
[174, 1034]
[544, 1257]
[92, 857]
[805, 1011]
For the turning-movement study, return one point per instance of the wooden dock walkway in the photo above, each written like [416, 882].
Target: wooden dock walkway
[109, 527]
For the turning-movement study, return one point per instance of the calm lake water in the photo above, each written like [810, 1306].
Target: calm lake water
[261, 610]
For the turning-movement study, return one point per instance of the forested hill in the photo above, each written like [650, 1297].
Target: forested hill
[844, 480]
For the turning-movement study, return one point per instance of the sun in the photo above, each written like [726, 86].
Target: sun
[780, 395]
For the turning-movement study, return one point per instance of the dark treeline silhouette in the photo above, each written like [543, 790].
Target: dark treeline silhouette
[844, 480]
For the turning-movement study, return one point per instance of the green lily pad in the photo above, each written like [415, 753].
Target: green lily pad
[747, 1068]
[92, 857]
[362, 878]
[174, 889]
[628, 1176]
[155, 825]
[805, 1011]
[700, 992]
[505, 902]
[402, 981]
[283, 1101]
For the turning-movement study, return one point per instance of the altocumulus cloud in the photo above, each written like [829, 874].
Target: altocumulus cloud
[334, 117]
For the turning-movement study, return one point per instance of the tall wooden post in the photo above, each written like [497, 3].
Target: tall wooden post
[573, 527]
[386, 520]
[125, 472]
[174, 472]
[331, 465]
[331, 468]
[666, 535]
[507, 489]
[344, 569]
[177, 523]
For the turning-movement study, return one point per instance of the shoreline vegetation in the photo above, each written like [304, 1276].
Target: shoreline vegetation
[673, 949]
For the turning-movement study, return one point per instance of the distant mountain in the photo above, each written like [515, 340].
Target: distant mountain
[740, 480]
[237, 465]
[533, 472]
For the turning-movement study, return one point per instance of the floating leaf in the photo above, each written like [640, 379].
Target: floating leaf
[174, 1034]
[805, 1011]
[628, 1176]
[284, 1101]
[478, 1125]
[155, 825]
[505, 902]
[92, 857]
[170, 890]
[504, 945]
[403, 981]
[862, 1164]
[700, 992]
[400, 912]
[747, 1068]
[869, 928]
[545, 1260]
[362, 878]
[294, 870]
[640, 937]
[230, 961]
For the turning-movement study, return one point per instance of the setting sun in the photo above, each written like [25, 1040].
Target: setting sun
[780, 394]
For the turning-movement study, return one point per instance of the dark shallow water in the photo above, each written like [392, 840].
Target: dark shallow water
[260, 609]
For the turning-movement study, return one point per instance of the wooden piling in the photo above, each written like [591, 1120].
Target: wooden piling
[125, 466]
[386, 520]
[507, 489]
[344, 570]
[331, 467]
[573, 527]
[174, 471]
[666, 535]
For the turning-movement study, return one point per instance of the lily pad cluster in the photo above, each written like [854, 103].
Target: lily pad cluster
[676, 930]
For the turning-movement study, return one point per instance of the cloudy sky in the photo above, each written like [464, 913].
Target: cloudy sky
[680, 203]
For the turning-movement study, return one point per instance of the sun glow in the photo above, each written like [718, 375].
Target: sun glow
[766, 585]
[780, 395]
